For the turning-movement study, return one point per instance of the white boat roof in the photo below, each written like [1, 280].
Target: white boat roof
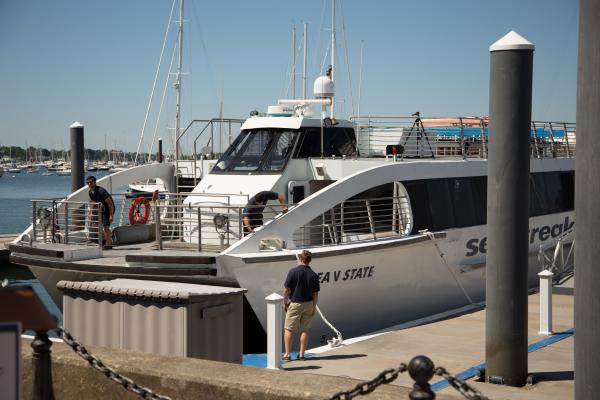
[292, 122]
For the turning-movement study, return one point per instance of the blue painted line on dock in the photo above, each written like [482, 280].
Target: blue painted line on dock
[469, 373]
[260, 360]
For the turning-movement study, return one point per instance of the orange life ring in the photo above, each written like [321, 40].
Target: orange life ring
[137, 217]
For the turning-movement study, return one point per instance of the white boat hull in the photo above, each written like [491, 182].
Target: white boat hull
[380, 284]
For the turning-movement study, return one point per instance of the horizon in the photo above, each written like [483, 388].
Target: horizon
[96, 62]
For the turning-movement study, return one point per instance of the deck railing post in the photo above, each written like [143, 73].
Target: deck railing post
[99, 207]
[33, 223]
[158, 231]
[199, 229]
[274, 330]
[462, 138]
[66, 222]
[371, 223]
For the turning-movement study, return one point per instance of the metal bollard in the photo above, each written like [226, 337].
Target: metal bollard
[421, 369]
[545, 302]
[274, 330]
[42, 367]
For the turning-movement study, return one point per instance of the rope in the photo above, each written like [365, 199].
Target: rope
[432, 237]
[338, 341]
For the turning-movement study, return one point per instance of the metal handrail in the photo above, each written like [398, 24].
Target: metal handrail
[62, 221]
[448, 137]
[208, 123]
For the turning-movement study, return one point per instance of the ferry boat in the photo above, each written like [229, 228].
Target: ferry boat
[392, 208]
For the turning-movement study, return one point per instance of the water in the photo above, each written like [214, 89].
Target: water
[16, 191]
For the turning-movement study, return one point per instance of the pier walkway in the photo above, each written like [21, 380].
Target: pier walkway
[458, 344]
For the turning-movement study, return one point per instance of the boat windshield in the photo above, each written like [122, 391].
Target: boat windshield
[265, 150]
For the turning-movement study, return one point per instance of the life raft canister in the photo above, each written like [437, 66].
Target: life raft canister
[135, 215]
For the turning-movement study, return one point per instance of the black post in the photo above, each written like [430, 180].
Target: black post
[421, 369]
[77, 157]
[511, 73]
[42, 367]
[159, 157]
[587, 206]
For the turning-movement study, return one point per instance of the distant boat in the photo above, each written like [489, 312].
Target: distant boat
[64, 172]
[47, 173]
[14, 170]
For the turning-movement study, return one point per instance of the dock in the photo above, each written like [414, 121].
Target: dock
[458, 344]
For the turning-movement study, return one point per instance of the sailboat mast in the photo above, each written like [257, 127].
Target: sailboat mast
[294, 63]
[178, 79]
[304, 64]
[332, 48]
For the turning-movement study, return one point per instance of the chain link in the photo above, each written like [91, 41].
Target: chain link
[467, 391]
[107, 371]
[386, 376]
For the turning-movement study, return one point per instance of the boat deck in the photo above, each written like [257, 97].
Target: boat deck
[458, 344]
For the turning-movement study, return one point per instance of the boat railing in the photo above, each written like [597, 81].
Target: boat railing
[209, 138]
[214, 226]
[456, 137]
[357, 220]
[66, 222]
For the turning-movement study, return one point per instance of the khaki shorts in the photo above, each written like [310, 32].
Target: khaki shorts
[299, 315]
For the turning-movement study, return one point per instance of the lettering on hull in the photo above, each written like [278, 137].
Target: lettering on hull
[542, 233]
[349, 274]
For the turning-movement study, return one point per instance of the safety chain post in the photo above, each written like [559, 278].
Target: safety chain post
[110, 373]
[42, 367]
[420, 368]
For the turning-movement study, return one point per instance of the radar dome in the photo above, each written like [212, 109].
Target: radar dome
[323, 87]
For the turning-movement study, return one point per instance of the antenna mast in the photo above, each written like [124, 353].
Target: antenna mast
[332, 49]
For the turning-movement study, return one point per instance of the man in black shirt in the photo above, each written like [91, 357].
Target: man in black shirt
[300, 297]
[99, 195]
[253, 212]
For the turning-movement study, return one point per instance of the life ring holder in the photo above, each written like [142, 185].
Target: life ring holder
[135, 216]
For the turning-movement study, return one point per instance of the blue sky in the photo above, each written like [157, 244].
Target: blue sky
[95, 61]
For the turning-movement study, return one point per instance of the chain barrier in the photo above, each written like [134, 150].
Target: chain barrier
[467, 391]
[389, 375]
[386, 376]
[107, 371]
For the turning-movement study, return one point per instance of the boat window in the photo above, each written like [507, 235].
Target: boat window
[551, 192]
[568, 190]
[336, 142]
[479, 190]
[419, 202]
[258, 150]
[279, 151]
[440, 204]
[462, 202]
